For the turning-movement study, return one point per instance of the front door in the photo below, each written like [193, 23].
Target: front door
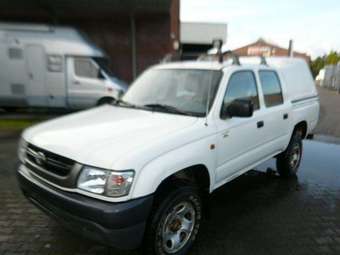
[84, 81]
[239, 139]
[36, 71]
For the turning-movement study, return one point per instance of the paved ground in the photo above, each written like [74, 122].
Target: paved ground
[256, 214]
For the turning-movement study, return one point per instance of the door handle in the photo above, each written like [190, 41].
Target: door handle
[260, 124]
[285, 116]
[76, 82]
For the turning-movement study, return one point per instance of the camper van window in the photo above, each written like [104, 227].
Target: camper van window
[85, 67]
[55, 63]
[15, 53]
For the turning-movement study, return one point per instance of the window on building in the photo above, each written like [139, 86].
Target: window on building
[242, 85]
[271, 87]
[85, 67]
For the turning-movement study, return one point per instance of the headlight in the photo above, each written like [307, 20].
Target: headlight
[105, 182]
[22, 150]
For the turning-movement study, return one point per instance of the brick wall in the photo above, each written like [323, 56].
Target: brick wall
[110, 29]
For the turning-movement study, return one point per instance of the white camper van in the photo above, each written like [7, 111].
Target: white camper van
[48, 66]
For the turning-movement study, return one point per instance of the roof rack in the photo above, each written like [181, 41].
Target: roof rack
[234, 56]
[217, 44]
[263, 61]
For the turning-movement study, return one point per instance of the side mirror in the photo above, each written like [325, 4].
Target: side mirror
[243, 108]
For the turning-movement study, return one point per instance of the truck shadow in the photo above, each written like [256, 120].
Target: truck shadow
[244, 214]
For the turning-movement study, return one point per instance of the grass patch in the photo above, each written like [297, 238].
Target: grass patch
[16, 125]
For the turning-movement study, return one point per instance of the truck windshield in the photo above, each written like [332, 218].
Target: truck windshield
[179, 90]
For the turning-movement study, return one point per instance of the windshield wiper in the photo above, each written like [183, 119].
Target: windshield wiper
[168, 108]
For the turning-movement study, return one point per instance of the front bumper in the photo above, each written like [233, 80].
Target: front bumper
[119, 225]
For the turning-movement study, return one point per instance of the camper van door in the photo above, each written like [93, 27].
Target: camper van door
[35, 66]
[85, 82]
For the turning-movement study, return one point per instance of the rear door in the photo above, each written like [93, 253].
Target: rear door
[84, 81]
[36, 71]
[276, 111]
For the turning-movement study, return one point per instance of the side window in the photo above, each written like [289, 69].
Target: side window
[15, 53]
[242, 85]
[84, 67]
[271, 87]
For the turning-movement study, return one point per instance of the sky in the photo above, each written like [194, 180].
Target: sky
[314, 25]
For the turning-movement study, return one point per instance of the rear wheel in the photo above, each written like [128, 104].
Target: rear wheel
[288, 162]
[174, 224]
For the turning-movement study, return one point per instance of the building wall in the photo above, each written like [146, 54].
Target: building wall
[152, 40]
[115, 38]
[156, 31]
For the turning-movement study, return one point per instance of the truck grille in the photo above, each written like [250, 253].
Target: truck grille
[48, 161]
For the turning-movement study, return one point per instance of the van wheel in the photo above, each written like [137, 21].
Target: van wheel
[174, 224]
[105, 100]
[288, 162]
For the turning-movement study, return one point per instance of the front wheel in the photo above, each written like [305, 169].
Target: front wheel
[174, 224]
[105, 100]
[288, 162]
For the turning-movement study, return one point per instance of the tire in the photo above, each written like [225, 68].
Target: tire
[288, 162]
[9, 109]
[105, 100]
[182, 205]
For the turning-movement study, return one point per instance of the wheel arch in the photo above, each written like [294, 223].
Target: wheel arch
[197, 175]
[302, 127]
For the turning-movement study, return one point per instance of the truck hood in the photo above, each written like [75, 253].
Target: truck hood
[101, 136]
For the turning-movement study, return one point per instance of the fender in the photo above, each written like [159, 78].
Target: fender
[157, 170]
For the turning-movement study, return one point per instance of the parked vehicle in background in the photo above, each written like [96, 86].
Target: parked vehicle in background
[138, 172]
[319, 79]
[49, 66]
[329, 77]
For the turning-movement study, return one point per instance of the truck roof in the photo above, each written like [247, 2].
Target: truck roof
[294, 72]
[272, 62]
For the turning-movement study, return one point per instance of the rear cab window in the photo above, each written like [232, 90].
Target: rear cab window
[242, 85]
[271, 87]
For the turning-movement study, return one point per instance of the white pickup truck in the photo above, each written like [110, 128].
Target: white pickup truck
[137, 172]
